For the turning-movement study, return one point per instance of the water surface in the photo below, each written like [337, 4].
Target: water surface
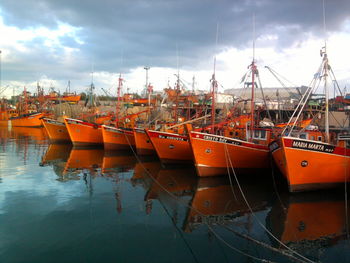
[60, 204]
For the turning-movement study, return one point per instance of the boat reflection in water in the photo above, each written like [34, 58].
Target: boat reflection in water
[217, 202]
[56, 153]
[310, 220]
[37, 134]
[84, 160]
[144, 170]
[56, 156]
[117, 161]
[173, 188]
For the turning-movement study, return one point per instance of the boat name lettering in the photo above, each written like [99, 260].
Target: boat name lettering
[220, 139]
[313, 146]
[171, 138]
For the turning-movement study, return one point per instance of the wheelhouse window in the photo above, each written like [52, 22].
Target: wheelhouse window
[259, 135]
[303, 136]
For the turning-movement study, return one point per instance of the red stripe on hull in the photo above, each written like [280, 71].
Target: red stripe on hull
[117, 139]
[214, 155]
[171, 148]
[307, 169]
[83, 133]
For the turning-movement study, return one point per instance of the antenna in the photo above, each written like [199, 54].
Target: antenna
[326, 67]
[324, 24]
[216, 45]
[253, 37]
[177, 61]
[214, 83]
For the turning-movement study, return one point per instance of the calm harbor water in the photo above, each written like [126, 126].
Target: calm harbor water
[60, 204]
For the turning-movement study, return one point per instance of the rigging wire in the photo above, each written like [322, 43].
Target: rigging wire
[303, 259]
[191, 207]
[259, 222]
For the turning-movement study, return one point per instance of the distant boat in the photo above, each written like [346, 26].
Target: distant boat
[28, 120]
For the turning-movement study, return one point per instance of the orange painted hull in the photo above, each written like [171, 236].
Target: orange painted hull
[117, 139]
[4, 123]
[32, 120]
[103, 119]
[84, 133]
[143, 143]
[310, 165]
[171, 147]
[56, 130]
[215, 155]
[4, 118]
[72, 98]
[68, 98]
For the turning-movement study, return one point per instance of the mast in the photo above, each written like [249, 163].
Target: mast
[148, 93]
[120, 85]
[25, 100]
[253, 70]
[214, 84]
[177, 84]
[213, 88]
[325, 75]
[177, 96]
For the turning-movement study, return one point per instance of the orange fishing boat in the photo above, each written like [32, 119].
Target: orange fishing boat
[117, 138]
[171, 147]
[84, 133]
[244, 146]
[56, 130]
[215, 155]
[28, 120]
[310, 165]
[143, 143]
[307, 160]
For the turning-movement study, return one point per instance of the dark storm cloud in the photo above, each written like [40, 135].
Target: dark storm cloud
[148, 32]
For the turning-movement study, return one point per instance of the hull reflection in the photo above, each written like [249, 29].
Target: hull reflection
[216, 202]
[310, 220]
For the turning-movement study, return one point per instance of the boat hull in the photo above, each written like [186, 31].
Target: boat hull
[143, 143]
[32, 120]
[216, 155]
[310, 165]
[84, 134]
[117, 139]
[171, 147]
[4, 118]
[56, 130]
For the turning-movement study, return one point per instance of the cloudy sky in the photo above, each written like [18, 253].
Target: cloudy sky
[53, 41]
